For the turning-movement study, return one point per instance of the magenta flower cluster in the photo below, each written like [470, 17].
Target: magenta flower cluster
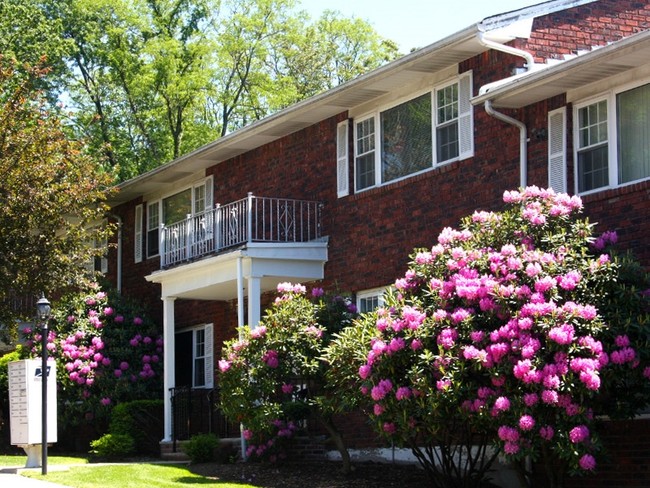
[495, 319]
[80, 346]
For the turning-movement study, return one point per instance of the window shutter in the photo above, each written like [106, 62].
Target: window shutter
[209, 361]
[465, 117]
[557, 150]
[342, 165]
[137, 235]
[209, 193]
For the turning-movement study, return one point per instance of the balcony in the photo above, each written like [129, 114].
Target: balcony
[249, 220]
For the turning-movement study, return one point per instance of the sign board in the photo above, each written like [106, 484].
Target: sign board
[26, 403]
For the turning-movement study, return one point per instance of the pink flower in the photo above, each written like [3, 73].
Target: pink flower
[389, 428]
[317, 292]
[247, 434]
[587, 462]
[546, 432]
[124, 365]
[443, 384]
[364, 371]
[287, 388]
[271, 359]
[258, 332]
[105, 401]
[224, 365]
[507, 433]
[119, 319]
[526, 422]
[378, 409]
[403, 393]
[579, 434]
[501, 404]
[108, 311]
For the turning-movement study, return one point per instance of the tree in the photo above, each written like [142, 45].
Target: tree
[150, 80]
[271, 377]
[107, 352]
[516, 331]
[52, 196]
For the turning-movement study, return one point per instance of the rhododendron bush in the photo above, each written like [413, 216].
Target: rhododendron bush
[107, 352]
[518, 329]
[271, 377]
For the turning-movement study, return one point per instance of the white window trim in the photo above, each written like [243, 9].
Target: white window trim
[612, 135]
[137, 234]
[209, 185]
[371, 293]
[465, 122]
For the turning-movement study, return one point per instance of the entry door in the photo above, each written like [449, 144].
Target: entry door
[184, 358]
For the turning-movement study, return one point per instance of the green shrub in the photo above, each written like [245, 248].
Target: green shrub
[142, 420]
[201, 448]
[112, 446]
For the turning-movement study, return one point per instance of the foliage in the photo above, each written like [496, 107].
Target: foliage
[201, 448]
[149, 80]
[107, 352]
[4, 395]
[142, 420]
[42, 172]
[518, 327]
[112, 446]
[272, 378]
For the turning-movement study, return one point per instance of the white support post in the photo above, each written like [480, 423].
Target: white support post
[254, 297]
[249, 219]
[169, 380]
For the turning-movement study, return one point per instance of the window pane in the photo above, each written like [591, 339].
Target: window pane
[592, 124]
[447, 103]
[447, 142]
[633, 122]
[153, 223]
[177, 207]
[365, 154]
[199, 198]
[593, 169]
[199, 372]
[368, 304]
[406, 138]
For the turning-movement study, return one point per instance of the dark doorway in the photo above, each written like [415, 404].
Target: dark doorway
[183, 359]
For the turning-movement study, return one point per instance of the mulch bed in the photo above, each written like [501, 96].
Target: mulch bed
[315, 475]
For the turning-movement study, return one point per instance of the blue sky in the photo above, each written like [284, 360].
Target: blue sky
[416, 23]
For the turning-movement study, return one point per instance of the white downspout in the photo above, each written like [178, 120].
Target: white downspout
[240, 323]
[523, 140]
[523, 132]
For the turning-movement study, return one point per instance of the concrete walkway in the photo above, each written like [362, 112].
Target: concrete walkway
[10, 478]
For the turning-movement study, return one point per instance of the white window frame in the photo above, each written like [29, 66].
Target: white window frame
[370, 294]
[137, 234]
[205, 184]
[464, 121]
[612, 136]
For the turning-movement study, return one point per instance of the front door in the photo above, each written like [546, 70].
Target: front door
[183, 358]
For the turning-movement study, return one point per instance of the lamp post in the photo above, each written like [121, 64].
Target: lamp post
[43, 310]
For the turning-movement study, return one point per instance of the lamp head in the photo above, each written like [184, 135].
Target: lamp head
[43, 308]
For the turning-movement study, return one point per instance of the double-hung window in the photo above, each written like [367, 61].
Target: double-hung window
[175, 208]
[370, 300]
[193, 357]
[613, 139]
[414, 135]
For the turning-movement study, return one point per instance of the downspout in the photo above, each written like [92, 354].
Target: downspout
[523, 140]
[523, 132]
[240, 323]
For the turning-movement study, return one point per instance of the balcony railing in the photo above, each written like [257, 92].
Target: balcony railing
[251, 219]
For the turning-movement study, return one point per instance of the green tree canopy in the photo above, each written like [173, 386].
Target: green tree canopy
[51, 195]
[149, 80]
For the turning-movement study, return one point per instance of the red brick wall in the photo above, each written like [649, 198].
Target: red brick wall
[581, 28]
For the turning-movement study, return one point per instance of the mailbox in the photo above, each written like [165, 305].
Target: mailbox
[26, 402]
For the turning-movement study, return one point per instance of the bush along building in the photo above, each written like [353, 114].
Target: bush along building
[340, 188]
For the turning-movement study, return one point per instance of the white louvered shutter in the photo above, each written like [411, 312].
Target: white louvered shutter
[209, 357]
[557, 150]
[342, 166]
[465, 117]
[209, 193]
[137, 235]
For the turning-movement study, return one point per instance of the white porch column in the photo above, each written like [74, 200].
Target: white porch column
[169, 380]
[254, 297]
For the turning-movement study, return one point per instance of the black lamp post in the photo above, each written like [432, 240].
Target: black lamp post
[43, 310]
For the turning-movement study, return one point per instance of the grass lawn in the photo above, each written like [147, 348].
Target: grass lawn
[132, 476]
[141, 475]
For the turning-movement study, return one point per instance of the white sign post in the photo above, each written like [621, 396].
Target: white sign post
[25, 407]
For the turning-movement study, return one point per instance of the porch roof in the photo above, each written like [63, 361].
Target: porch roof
[216, 278]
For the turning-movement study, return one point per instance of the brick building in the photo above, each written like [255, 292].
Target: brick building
[338, 189]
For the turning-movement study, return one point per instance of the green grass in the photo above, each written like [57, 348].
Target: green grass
[132, 476]
[14, 460]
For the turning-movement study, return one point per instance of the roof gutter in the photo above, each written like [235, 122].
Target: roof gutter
[523, 131]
